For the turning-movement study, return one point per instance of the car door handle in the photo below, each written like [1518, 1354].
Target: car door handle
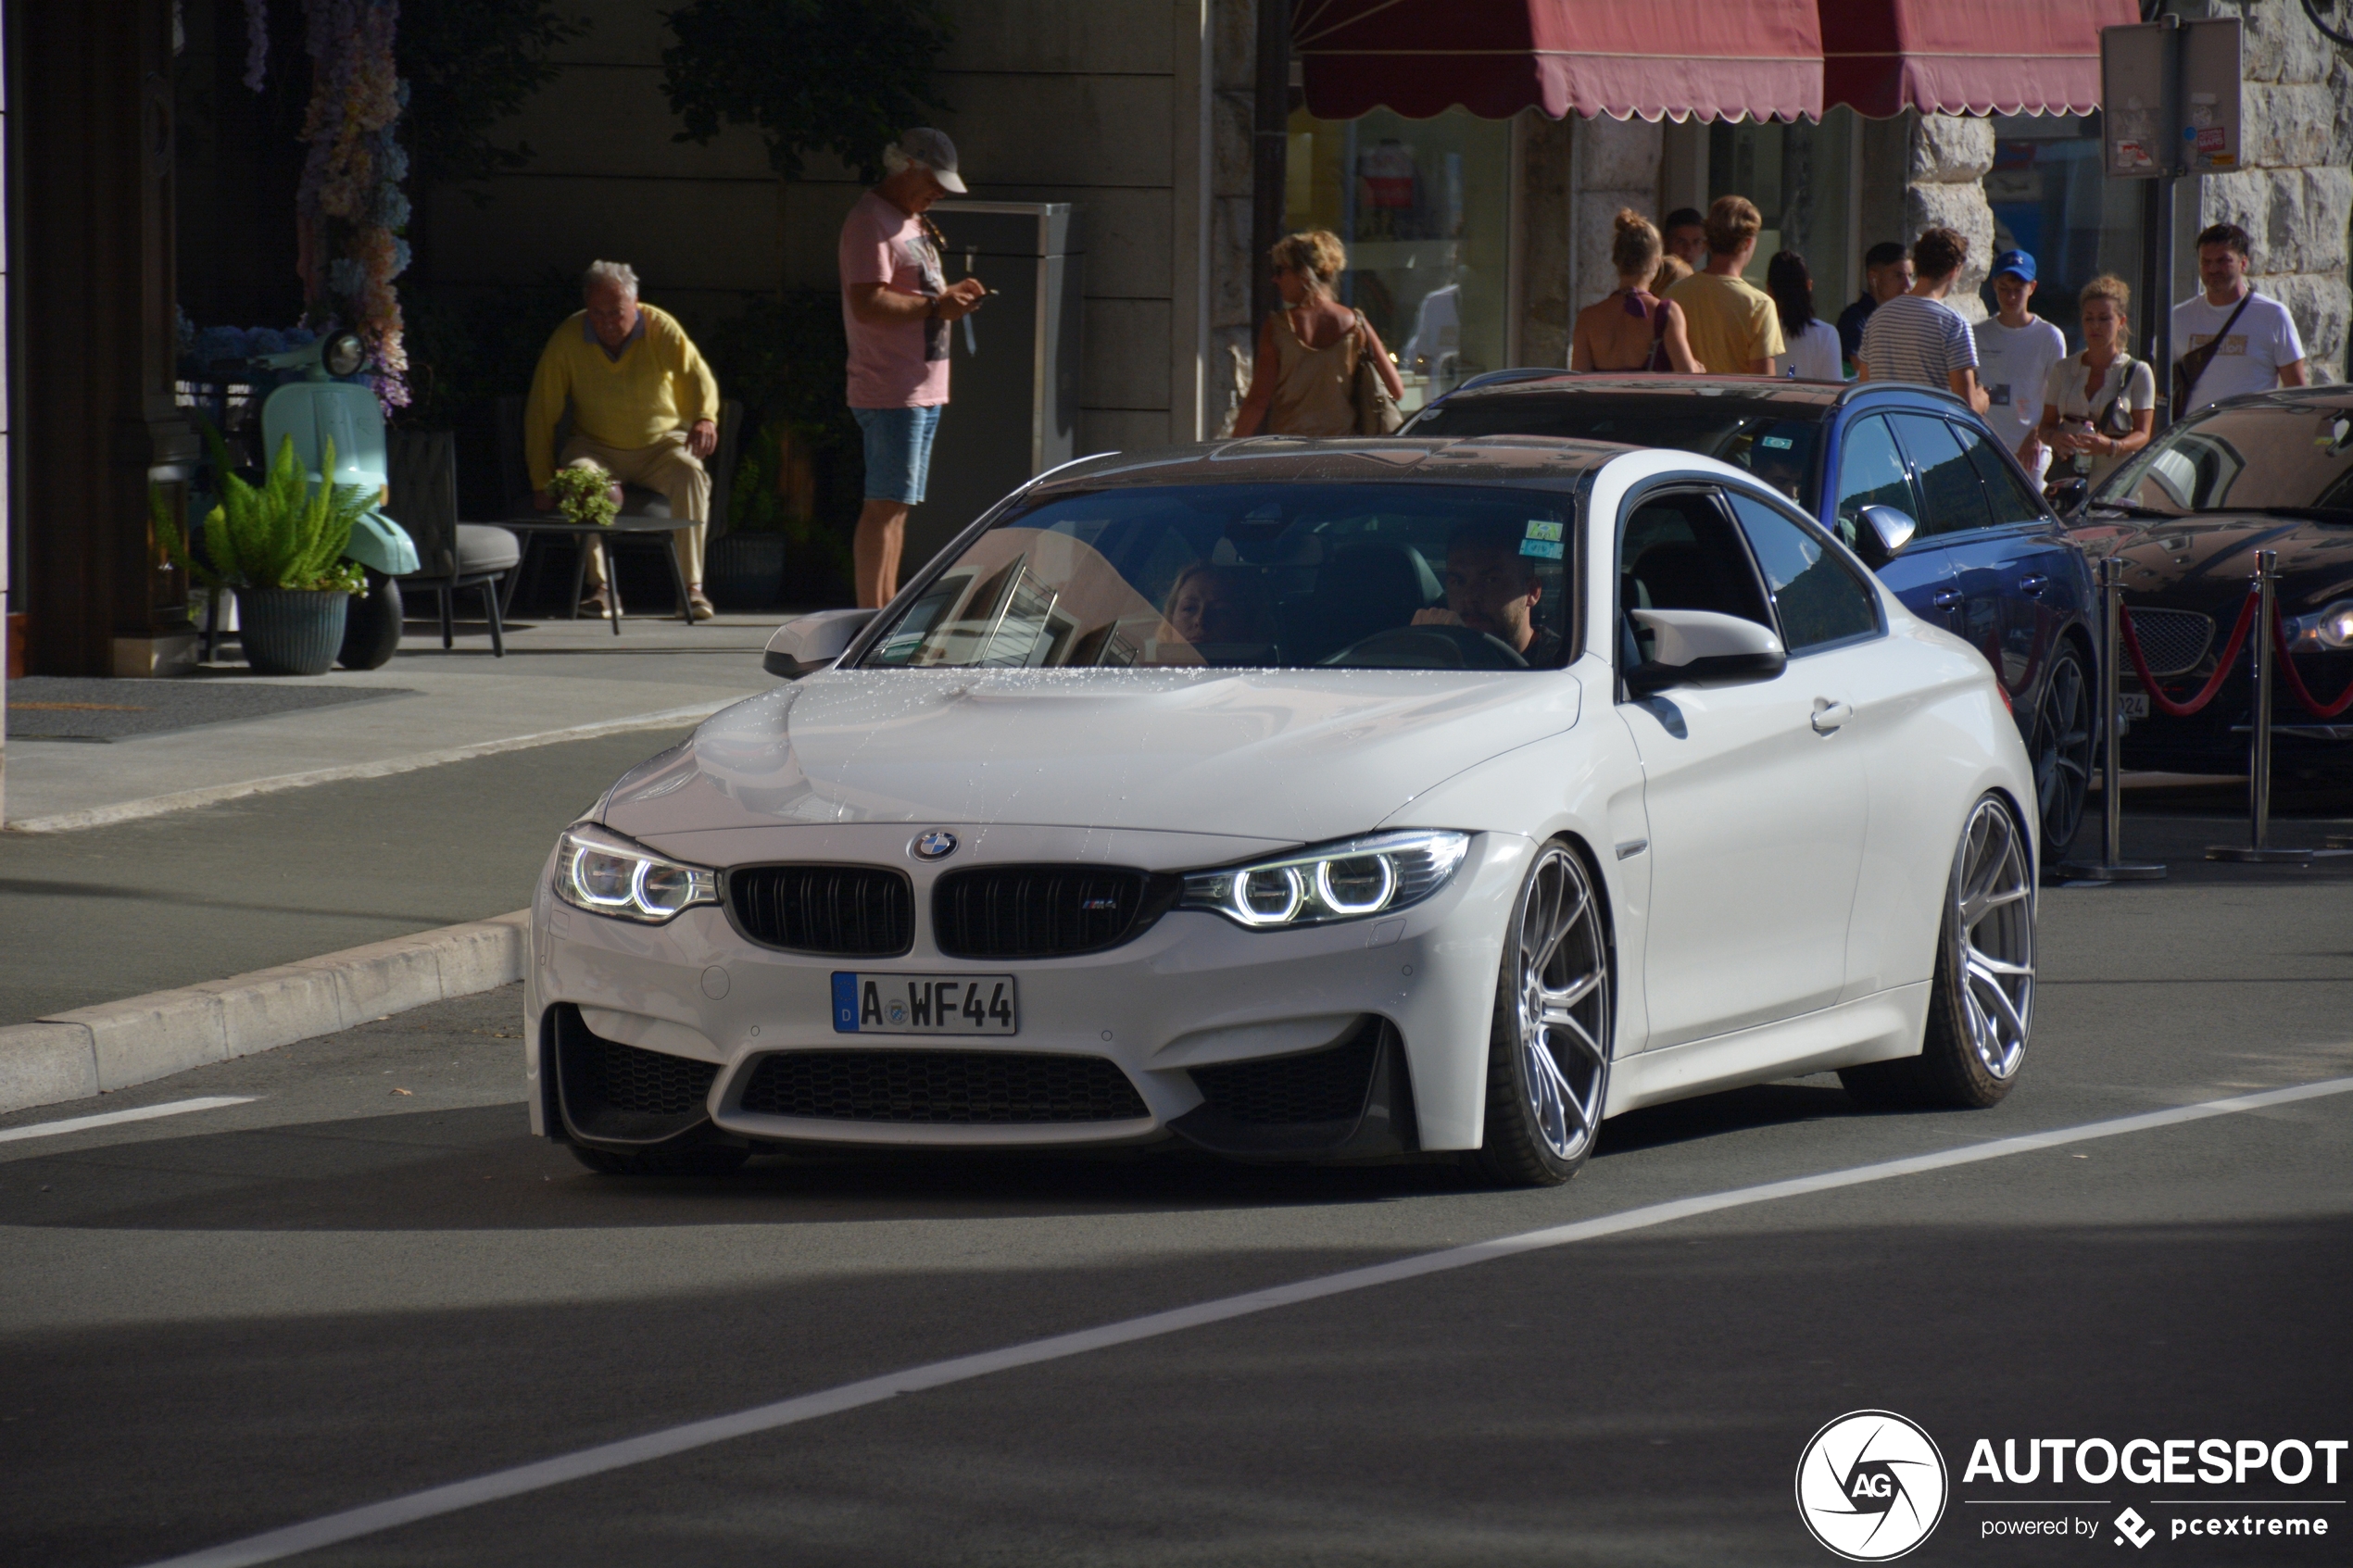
[1829, 715]
[2033, 584]
[1945, 596]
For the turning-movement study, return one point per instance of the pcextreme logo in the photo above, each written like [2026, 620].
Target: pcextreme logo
[1870, 1485]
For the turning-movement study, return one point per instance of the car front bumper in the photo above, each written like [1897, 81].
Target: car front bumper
[1193, 991]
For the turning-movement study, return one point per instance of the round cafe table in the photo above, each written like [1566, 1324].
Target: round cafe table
[555, 522]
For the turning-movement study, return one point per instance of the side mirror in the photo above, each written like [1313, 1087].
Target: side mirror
[811, 643]
[2067, 496]
[1699, 647]
[1885, 534]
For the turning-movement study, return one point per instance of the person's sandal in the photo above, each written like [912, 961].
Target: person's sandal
[595, 604]
[697, 606]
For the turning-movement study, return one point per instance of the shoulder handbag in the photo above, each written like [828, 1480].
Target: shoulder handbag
[2192, 364]
[2101, 421]
[1377, 411]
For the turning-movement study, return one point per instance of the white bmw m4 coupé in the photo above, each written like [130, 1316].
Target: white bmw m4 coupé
[1307, 801]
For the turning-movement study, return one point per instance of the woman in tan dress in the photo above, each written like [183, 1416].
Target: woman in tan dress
[1632, 329]
[1304, 380]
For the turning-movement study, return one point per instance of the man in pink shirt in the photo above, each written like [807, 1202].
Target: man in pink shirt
[896, 305]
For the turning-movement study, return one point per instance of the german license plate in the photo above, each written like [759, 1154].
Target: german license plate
[925, 1003]
[2132, 704]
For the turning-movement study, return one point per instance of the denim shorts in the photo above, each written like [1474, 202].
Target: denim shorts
[898, 451]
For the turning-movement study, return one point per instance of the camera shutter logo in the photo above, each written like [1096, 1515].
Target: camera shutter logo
[1872, 1486]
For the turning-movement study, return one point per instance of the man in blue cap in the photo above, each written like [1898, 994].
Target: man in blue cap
[2015, 352]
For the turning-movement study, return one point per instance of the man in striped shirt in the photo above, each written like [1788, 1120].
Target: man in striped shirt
[1916, 336]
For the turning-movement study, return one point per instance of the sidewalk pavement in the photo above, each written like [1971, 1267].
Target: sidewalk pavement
[559, 680]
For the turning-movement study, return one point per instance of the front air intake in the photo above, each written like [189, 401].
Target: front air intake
[942, 1088]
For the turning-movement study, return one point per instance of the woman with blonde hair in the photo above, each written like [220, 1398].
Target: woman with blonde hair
[2100, 406]
[1633, 329]
[1304, 381]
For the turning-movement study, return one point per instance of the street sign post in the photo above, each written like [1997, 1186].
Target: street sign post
[2169, 107]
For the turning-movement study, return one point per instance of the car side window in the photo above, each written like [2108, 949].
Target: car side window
[1678, 550]
[1819, 597]
[2005, 492]
[1871, 473]
[1950, 493]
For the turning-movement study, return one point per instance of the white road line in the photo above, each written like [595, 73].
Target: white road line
[113, 1118]
[213, 794]
[274, 1545]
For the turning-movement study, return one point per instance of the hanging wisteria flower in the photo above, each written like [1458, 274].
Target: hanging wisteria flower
[349, 203]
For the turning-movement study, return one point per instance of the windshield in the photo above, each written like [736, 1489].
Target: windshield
[2251, 457]
[1771, 441]
[1358, 576]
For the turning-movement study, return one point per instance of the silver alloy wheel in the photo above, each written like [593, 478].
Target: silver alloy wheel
[1991, 924]
[1563, 988]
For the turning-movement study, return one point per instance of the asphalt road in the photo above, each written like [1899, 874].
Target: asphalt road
[141, 905]
[229, 1321]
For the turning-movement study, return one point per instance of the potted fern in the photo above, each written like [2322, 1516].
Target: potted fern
[279, 546]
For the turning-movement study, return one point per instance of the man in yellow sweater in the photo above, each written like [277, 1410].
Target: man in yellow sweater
[645, 408]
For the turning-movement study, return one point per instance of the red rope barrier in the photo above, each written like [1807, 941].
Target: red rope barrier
[2313, 705]
[2158, 700]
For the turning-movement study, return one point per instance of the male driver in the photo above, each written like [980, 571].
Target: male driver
[1916, 336]
[2015, 352]
[1686, 235]
[1491, 587]
[645, 408]
[2260, 350]
[896, 305]
[1887, 272]
[1735, 330]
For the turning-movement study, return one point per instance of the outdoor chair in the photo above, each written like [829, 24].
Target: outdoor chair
[635, 500]
[452, 556]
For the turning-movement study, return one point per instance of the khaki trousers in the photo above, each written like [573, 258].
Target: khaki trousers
[665, 466]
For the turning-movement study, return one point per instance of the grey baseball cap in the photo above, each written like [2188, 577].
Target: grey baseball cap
[935, 152]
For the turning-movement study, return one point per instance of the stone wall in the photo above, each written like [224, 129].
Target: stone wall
[1548, 238]
[1946, 185]
[2294, 195]
[1616, 166]
[1233, 81]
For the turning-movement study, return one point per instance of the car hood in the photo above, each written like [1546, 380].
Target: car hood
[2207, 559]
[1292, 756]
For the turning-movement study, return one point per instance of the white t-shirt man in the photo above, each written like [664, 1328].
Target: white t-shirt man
[2012, 365]
[2260, 341]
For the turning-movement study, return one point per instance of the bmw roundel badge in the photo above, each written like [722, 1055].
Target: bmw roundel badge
[936, 845]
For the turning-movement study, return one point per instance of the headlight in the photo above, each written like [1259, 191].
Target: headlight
[2331, 628]
[1335, 882]
[343, 354]
[606, 874]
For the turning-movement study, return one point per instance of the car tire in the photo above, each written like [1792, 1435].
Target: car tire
[711, 1160]
[1980, 1007]
[1548, 1050]
[2062, 752]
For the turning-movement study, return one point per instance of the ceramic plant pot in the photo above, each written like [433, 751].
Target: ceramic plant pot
[292, 630]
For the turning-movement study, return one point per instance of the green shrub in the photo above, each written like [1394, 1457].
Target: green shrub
[286, 533]
[583, 494]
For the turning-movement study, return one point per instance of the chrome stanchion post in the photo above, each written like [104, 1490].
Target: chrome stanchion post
[2258, 773]
[2112, 866]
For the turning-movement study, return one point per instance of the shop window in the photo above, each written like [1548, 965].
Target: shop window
[1800, 177]
[1423, 209]
[2050, 201]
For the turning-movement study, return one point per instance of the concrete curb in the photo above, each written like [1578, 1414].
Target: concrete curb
[91, 1050]
[212, 795]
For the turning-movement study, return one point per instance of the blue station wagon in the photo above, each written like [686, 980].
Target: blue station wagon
[1985, 557]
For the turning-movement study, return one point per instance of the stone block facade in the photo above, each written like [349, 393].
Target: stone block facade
[1944, 186]
[2294, 195]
